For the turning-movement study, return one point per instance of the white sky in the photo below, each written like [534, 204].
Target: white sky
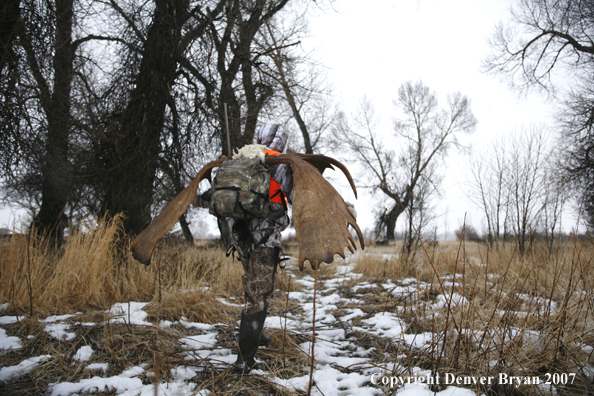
[370, 48]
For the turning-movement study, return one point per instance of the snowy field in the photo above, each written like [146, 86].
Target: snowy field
[358, 350]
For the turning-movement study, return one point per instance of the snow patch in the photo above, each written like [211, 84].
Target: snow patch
[59, 331]
[12, 372]
[9, 342]
[83, 354]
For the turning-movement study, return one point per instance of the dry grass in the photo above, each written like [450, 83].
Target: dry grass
[499, 312]
[527, 315]
[155, 348]
[89, 272]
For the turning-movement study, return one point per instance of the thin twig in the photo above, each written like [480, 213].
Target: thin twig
[286, 312]
[313, 337]
[29, 280]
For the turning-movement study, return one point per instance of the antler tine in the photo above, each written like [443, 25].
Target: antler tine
[359, 234]
[352, 245]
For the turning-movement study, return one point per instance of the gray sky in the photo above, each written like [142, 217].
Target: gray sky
[371, 49]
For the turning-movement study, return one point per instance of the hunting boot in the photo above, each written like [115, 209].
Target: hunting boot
[250, 331]
[265, 340]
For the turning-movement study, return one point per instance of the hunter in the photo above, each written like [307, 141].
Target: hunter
[258, 244]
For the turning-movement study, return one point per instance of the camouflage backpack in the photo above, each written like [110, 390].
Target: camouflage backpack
[241, 189]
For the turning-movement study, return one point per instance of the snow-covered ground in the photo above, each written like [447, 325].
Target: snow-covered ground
[343, 366]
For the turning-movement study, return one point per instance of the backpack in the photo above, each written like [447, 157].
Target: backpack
[241, 189]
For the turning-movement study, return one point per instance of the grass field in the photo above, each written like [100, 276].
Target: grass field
[458, 308]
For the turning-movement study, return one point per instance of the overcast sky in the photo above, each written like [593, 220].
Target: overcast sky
[370, 48]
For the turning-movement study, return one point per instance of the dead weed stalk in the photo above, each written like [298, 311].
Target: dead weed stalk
[490, 311]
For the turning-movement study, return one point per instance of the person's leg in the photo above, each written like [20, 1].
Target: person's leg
[258, 283]
[267, 234]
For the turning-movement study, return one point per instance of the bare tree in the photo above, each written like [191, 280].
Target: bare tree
[544, 35]
[544, 40]
[556, 191]
[423, 134]
[37, 119]
[419, 214]
[132, 144]
[525, 184]
[576, 122]
[236, 65]
[119, 126]
[304, 88]
[516, 185]
[488, 189]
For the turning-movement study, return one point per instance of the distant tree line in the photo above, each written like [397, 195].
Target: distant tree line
[110, 107]
[520, 189]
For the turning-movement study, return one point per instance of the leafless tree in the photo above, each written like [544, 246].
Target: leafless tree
[515, 183]
[488, 189]
[36, 122]
[576, 122]
[526, 184]
[545, 44]
[120, 125]
[143, 126]
[420, 214]
[544, 35]
[236, 79]
[177, 51]
[556, 193]
[423, 133]
[301, 80]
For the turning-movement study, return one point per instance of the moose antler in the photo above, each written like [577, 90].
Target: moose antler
[320, 214]
[145, 242]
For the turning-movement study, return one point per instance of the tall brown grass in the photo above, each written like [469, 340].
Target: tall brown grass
[92, 271]
[526, 316]
[500, 312]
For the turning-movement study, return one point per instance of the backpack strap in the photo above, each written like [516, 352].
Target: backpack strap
[283, 198]
[231, 252]
[259, 195]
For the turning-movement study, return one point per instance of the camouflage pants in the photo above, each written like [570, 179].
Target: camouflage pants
[258, 279]
[258, 242]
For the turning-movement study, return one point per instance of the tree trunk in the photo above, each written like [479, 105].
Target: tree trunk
[134, 147]
[186, 229]
[391, 222]
[400, 206]
[51, 218]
